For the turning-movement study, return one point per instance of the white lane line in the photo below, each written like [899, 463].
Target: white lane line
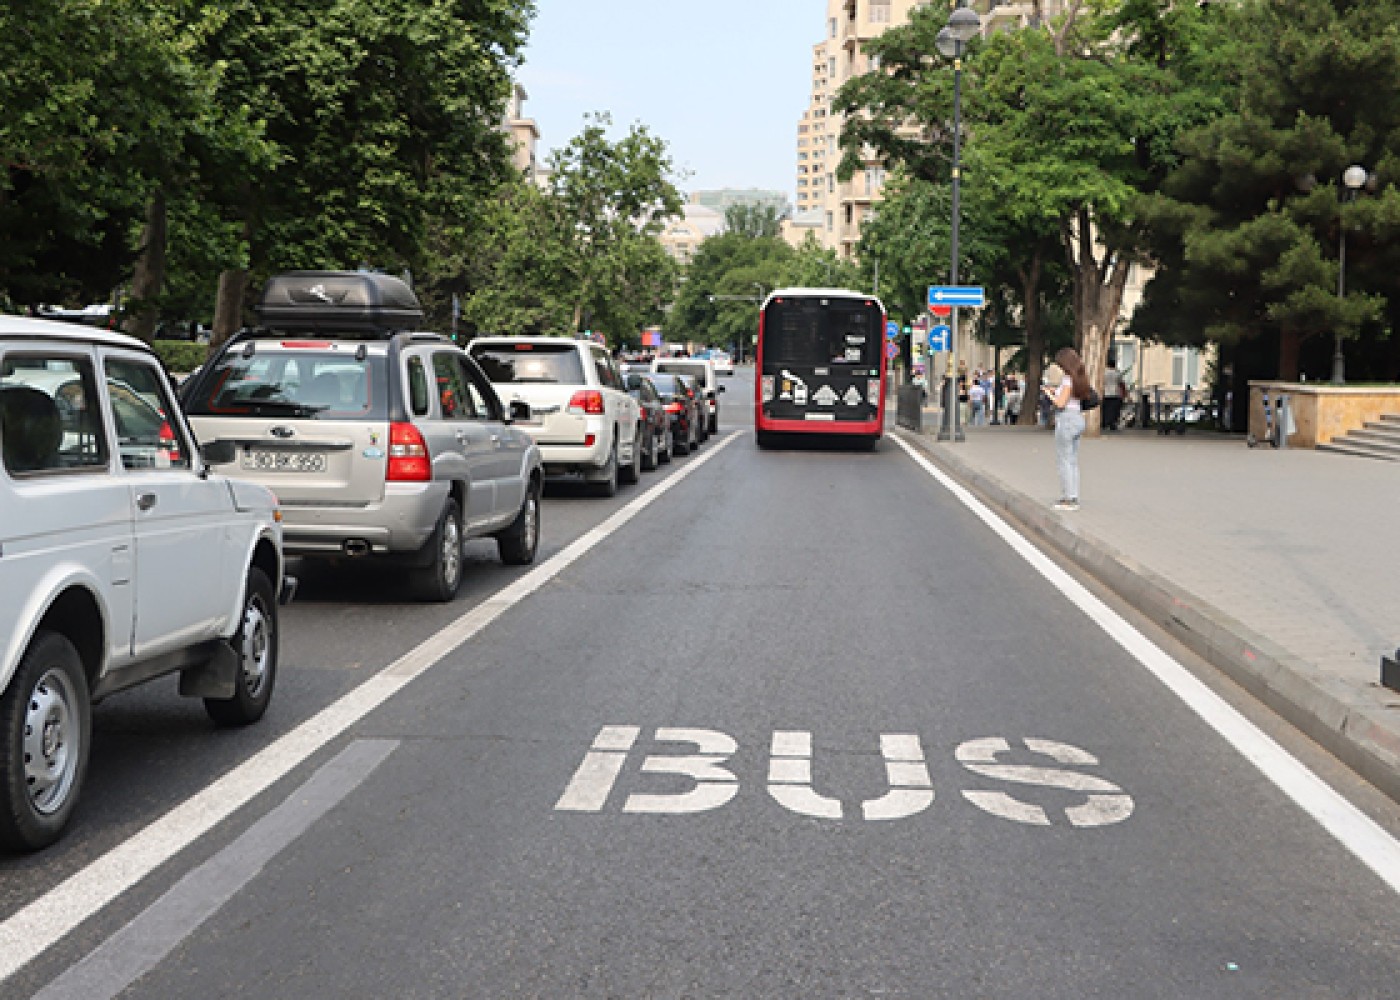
[40, 924]
[145, 942]
[1356, 831]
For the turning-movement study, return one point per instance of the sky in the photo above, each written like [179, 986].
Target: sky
[723, 82]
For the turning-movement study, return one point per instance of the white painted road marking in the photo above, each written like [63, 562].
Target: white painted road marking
[142, 944]
[790, 777]
[714, 785]
[1106, 803]
[39, 925]
[1356, 831]
[911, 788]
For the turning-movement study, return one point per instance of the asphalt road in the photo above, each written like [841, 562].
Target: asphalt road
[802, 726]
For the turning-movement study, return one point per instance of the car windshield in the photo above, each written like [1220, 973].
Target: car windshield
[292, 383]
[530, 362]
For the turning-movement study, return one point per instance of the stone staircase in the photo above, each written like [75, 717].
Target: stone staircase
[1377, 439]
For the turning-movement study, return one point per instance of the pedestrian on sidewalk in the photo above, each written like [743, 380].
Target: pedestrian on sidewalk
[977, 401]
[1069, 424]
[1114, 389]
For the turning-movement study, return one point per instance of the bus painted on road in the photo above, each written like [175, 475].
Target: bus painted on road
[820, 365]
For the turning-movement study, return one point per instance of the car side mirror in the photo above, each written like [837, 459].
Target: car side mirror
[519, 410]
[218, 452]
[721, 388]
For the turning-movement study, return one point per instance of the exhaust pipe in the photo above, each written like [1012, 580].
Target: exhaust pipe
[356, 547]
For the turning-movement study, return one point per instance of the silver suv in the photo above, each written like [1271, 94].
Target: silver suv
[123, 557]
[380, 442]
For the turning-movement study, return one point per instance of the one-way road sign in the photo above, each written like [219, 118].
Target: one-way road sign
[967, 296]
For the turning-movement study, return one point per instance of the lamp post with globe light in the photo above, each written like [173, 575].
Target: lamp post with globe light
[1353, 179]
[963, 24]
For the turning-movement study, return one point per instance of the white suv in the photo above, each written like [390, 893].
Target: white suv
[582, 416]
[122, 557]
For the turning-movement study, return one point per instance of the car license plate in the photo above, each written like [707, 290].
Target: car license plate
[284, 461]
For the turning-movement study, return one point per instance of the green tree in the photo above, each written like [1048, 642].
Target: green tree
[725, 283]
[610, 194]
[1066, 127]
[385, 114]
[108, 106]
[1248, 227]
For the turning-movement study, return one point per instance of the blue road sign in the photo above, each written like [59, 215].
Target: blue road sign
[938, 338]
[891, 329]
[966, 296]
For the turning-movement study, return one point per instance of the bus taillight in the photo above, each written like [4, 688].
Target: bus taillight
[872, 391]
[767, 388]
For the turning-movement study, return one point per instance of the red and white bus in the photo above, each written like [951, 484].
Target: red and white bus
[820, 365]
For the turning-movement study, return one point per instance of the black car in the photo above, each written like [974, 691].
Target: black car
[656, 422]
[679, 399]
[696, 388]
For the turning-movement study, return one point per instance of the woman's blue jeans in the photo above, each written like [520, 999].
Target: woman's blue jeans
[1069, 428]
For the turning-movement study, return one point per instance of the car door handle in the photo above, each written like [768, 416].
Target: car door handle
[146, 501]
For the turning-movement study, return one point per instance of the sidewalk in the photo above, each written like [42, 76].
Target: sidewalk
[1281, 568]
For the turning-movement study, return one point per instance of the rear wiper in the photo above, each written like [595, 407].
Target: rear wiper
[280, 408]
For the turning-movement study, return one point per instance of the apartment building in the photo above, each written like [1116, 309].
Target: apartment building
[524, 135]
[832, 209]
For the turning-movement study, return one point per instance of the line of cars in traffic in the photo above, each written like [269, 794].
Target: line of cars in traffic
[144, 533]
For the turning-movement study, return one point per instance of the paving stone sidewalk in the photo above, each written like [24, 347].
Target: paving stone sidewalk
[1282, 568]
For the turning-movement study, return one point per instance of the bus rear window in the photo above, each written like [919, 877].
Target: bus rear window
[822, 331]
[548, 363]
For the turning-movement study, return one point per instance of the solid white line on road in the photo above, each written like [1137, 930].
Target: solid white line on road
[1361, 835]
[42, 923]
[142, 944]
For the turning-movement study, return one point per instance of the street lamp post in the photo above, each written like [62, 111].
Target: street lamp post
[1353, 178]
[963, 24]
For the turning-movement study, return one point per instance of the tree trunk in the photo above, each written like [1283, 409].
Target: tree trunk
[1035, 346]
[148, 275]
[1290, 345]
[228, 306]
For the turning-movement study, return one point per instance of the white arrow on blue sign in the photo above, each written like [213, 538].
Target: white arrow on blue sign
[967, 296]
[938, 338]
[891, 329]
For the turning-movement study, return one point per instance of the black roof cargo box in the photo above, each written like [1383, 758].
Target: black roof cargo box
[339, 302]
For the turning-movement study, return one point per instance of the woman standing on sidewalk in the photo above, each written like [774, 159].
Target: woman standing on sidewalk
[1069, 424]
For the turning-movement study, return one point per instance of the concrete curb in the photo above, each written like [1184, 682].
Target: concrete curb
[1354, 725]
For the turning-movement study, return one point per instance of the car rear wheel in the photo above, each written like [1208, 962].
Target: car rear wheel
[668, 444]
[649, 454]
[439, 580]
[46, 725]
[632, 471]
[255, 645]
[518, 543]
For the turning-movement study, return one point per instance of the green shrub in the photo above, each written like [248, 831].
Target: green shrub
[181, 357]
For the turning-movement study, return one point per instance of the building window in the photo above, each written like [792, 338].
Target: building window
[1186, 367]
[830, 222]
[880, 12]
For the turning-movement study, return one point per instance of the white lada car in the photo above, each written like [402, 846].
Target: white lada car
[123, 557]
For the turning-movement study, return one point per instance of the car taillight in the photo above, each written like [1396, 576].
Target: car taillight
[167, 441]
[674, 408]
[408, 455]
[587, 401]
